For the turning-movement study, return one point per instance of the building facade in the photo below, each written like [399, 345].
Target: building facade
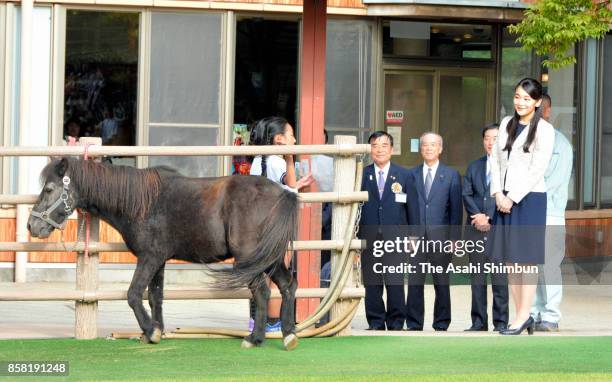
[163, 72]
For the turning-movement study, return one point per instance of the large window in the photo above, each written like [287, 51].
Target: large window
[101, 76]
[561, 86]
[348, 79]
[606, 124]
[266, 70]
[515, 65]
[437, 40]
[185, 88]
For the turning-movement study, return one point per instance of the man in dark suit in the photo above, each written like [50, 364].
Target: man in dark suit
[387, 210]
[440, 214]
[480, 207]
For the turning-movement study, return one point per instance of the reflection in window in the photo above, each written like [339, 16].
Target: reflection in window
[516, 65]
[348, 77]
[266, 70]
[463, 100]
[560, 85]
[449, 41]
[101, 73]
[185, 87]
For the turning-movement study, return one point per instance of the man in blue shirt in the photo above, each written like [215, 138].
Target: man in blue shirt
[546, 308]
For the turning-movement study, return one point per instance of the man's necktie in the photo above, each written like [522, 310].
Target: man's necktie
[488, 177]
[428, 182]
[381, 183]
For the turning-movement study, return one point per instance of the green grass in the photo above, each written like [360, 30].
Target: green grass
[521, 358]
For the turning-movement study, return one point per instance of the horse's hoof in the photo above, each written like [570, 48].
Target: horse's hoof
[246, 344]
[290, 342]
[156, 336]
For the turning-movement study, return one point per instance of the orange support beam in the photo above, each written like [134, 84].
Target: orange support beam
[312, 119]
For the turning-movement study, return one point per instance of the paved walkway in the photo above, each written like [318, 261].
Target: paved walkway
[587, 312]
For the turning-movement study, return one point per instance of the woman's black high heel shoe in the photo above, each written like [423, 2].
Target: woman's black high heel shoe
[529, 325]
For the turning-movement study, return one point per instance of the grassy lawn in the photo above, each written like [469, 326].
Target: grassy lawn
[523, 358]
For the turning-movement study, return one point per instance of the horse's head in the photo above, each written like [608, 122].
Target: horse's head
[56, 201]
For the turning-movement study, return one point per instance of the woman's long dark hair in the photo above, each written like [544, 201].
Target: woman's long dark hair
[263, 133]
[534, 89]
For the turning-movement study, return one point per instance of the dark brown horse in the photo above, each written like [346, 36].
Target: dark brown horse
[163, 215]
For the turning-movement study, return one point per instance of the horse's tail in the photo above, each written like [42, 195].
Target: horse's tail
[279, 228]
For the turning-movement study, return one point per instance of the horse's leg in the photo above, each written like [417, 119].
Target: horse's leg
[156, 297]
[287, 286]
[146, 268]
[261, 293]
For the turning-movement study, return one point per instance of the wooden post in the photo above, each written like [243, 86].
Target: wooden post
[86, 313]
[344, 180]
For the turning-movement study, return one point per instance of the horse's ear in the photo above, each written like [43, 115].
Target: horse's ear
[62, 166]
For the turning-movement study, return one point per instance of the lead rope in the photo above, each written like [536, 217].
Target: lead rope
[85, 214]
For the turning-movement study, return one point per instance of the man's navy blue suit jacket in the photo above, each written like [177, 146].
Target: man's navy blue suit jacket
[476, 190]
[387, 211]
[441, 213]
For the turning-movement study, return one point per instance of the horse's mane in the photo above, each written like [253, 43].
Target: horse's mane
[122, 189]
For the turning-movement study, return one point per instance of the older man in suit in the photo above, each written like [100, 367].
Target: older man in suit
[480, 207]
[440, 214]
[388, 208]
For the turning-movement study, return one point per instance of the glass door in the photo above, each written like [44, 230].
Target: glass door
[409, 106]
[454, 102]
[466, 105]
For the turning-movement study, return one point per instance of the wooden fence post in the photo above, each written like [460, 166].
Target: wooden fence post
[344, 180]
[86, 313]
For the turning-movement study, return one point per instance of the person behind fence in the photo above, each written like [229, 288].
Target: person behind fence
[389, 204]
[519, 160]
[72, 130]
[546, 309]
[440, 217]
[281, 170]
[480, 207]
[326, 216]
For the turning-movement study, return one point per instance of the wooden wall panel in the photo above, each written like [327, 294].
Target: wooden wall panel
[345, 3]
[582, 237]
[7, 233]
